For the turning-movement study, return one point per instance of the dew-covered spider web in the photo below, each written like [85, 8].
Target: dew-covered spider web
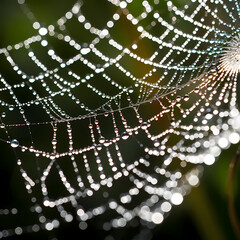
[110, 110]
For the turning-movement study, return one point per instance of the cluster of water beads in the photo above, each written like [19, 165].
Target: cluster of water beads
[207, 96]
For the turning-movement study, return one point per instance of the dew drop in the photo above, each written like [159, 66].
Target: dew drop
[156, 143]
[208, 116]
[43, 31]
[196, 90]
[11, 108]
[178, 98]
[99, 147]
[117, 138]
[106, 143]
[101, 140]
[14, 143]
[144, 125]
[178, 104]
[186, 98]
[85, 51]
[128, 129]
[125, 136]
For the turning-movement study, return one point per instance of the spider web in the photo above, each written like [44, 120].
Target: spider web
[111, 113]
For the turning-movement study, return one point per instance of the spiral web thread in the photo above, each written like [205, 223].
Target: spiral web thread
[111, 131]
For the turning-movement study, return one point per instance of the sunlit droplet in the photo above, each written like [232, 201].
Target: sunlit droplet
[157, 218]
[125, 135]
[14, 143]
[176, 198]
[43, 31]
[101, 140]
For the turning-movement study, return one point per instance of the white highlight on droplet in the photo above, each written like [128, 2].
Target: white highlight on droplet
[14, 143]
[43, 31]
[209, 159]
[44, 43]
[36, 25]
[49, 226]
[234, 138]
[157, 218]
[123, 4]
[193, 180]
[85, 51]
[166, 206]
[177, 198]
[50, 52]
[223, 142]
